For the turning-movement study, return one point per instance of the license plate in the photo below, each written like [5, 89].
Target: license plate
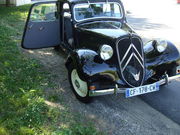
[131, 92]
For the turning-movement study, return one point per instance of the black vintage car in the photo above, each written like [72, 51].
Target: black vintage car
[105, 55]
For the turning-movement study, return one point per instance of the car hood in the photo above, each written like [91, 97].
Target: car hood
[94, 35]
[105, 30]
[113, 33]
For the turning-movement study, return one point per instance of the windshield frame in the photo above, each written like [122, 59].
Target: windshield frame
[121, 11]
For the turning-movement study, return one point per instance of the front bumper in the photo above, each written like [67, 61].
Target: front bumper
[117, 90]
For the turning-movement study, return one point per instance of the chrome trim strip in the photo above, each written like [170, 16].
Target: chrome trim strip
[127, 61]
[99, 21]
[131, 46]
[126, 53]
[133, 54]
[123, 90]
[121, 11]
[137, 52]
[139, 61]
[101, 92]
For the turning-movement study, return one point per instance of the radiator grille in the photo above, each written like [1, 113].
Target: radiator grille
[131, 60]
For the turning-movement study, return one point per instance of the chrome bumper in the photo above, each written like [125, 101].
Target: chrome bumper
[117, 90]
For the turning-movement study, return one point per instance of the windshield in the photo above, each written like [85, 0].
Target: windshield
[97, 10]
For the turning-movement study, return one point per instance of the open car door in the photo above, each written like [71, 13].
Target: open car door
[42, 27]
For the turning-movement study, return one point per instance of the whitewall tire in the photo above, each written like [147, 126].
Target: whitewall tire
[79, 87]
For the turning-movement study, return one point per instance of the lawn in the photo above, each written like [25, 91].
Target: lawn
[23, 106]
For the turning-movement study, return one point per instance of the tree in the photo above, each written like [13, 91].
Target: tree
[7, 3]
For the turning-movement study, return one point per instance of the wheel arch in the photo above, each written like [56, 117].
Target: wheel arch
[79, 58]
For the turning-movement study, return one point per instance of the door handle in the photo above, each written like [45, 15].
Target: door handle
[29, 27]
[41, 28]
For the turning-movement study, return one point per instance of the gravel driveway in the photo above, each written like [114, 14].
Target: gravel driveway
[112, 114]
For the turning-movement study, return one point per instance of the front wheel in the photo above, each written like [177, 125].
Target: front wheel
[79, 87]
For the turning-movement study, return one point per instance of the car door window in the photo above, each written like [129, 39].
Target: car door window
[44, 12]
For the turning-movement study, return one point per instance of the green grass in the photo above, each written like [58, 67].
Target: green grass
[23, 110]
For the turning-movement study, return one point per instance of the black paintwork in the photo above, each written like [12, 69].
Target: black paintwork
[88, 36]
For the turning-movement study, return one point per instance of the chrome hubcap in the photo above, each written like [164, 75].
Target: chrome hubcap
[77, 84]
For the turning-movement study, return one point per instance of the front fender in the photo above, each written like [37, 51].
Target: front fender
[90, 66]
[170, 55]
[161, 63]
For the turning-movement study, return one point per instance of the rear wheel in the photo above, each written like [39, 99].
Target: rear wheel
[79, 87]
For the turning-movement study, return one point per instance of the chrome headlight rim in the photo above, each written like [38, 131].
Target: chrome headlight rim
[161, 45]
[106, 52]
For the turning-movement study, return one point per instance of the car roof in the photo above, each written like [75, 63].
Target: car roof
[90, 1]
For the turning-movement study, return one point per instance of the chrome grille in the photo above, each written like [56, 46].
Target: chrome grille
[131, 60]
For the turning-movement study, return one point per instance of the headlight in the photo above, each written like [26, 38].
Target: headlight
[161, 45]
[148, 47]
[106, 52]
